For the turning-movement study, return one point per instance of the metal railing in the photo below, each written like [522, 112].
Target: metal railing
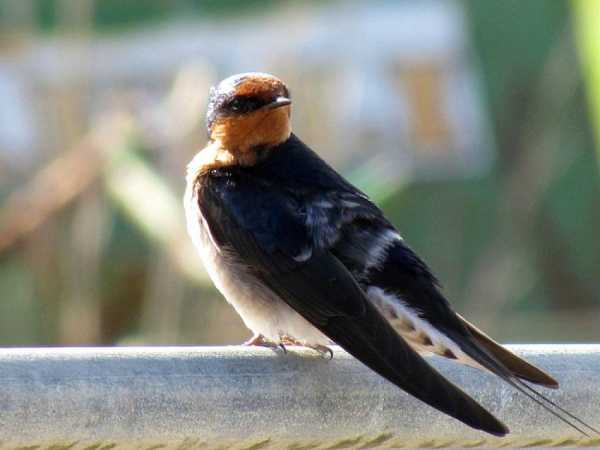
[254, 398]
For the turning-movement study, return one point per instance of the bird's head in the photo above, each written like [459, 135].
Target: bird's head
[249, 111]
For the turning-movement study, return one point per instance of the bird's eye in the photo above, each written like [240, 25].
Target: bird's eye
[236, 105]
[244, 104]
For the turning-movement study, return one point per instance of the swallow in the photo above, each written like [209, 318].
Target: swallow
[306, 258]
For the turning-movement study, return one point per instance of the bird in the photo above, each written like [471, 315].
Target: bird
[306, 258]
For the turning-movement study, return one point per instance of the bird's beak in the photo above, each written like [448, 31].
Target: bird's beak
[278, 102]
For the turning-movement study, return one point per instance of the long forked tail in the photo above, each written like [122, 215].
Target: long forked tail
[515, 371]
[375, 343]
[517, 366]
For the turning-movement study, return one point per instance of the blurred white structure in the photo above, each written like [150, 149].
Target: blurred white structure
[391, 87]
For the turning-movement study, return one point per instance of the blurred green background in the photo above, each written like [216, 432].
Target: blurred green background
[473, 123]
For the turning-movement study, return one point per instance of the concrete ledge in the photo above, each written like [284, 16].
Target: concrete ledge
[235, 397]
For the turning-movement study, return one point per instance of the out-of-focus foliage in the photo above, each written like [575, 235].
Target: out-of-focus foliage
[114, 14]
[92, 241]
[587, 17]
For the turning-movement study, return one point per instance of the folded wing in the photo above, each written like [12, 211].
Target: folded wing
[268, 231]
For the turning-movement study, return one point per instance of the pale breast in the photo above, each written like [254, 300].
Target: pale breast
[262, 310]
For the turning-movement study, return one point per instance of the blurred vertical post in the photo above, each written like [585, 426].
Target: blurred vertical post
[586, 17]
[80, 305]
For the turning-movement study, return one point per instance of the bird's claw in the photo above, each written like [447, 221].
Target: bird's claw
[259, 340]
[323, 350]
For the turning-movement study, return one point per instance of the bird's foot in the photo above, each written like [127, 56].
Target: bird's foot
[260, 341]
[287, 340]
[321, 349]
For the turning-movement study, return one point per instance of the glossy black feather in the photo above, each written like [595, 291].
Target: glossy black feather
[270, 215]
[408, 277]
[299, 168]
[402, 273]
